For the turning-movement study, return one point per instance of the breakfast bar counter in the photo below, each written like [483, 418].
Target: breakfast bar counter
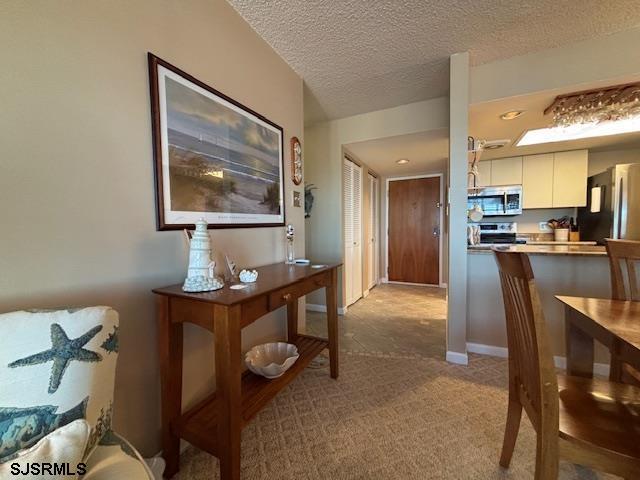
[568, 270]
[545, 249]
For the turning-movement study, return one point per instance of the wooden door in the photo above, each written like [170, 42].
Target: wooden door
[352, 219]
[414, 231]
[373, 253]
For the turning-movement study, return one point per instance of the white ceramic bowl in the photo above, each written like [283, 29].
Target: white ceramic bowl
[271, 360]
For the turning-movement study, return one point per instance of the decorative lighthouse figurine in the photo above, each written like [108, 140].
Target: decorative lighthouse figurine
[291, 255]
[201, 275]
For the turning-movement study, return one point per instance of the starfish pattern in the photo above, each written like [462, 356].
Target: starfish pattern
[62, 352]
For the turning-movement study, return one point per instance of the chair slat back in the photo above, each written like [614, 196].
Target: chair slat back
[531, 368]
[624, 256]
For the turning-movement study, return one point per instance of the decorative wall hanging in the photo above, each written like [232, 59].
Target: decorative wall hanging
[614, 103]
[214, 158]
[296, 161]
[308, 199]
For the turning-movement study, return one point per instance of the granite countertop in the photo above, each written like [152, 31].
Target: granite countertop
[576, 250]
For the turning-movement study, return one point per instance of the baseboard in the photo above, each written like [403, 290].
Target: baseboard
[314, 307]
[457, 358]
[601, 369]
[384, 280]
[365, 294]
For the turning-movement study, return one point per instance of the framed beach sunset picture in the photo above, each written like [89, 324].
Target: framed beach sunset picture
[214, 158]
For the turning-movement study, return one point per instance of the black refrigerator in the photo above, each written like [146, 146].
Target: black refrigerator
[613, 205]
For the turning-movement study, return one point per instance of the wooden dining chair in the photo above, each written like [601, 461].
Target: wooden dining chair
[624, 256]
[585, 421]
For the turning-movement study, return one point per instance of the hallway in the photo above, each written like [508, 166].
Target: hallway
[393, 319]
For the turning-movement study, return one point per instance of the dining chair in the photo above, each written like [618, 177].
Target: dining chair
[624, 255]
[591, 422]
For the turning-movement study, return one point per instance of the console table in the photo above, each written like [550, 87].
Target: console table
[215, 424]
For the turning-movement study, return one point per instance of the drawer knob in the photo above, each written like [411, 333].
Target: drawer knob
[287, 297]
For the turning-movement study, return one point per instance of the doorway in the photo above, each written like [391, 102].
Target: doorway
[414, 219]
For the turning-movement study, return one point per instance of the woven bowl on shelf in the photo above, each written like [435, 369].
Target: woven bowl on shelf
[271, 360]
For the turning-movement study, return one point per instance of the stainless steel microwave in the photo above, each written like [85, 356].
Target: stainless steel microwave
[496, 201]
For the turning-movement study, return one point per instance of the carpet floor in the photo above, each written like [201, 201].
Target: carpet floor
[388, 416]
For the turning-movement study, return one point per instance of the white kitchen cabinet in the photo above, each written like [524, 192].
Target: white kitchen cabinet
[506, 171]
[570, 178]
[484, 174]
[537, 181]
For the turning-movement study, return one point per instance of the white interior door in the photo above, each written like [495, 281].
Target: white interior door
[352, 202]
[372, 257]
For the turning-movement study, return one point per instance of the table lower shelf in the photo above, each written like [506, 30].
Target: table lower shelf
[198, 426]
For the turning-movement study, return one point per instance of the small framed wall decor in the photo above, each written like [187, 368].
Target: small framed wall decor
[214, 158]
[296, 161]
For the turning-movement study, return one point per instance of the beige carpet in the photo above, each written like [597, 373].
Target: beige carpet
[392, 319]
[387, 417]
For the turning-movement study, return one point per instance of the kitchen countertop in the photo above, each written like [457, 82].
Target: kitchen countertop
[577, 250]
[552, 242]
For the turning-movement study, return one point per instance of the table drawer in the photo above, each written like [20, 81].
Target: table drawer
[287, 294]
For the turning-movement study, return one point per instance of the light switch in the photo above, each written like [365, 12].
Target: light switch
[296, 199]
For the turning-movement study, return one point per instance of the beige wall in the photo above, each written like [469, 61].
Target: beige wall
[458, 133]
[76, 173]
[600, 161]
[609, 57]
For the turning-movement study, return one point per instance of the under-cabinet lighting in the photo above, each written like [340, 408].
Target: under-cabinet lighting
[579, 131]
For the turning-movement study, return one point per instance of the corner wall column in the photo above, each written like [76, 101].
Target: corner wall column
[457, 208]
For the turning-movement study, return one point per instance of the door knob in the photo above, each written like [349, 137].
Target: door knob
[436, 231]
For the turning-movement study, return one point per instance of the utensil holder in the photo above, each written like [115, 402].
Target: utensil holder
[561, 234]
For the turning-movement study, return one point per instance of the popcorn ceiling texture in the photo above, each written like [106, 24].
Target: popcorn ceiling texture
[358, 56]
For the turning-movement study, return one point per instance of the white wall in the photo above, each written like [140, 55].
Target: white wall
[76, 171]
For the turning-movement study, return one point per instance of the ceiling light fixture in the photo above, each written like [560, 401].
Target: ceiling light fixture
[511, 114]
[579, 131]
[495, 144]
[402, 161]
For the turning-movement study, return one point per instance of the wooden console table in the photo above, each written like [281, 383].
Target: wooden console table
[215, 424]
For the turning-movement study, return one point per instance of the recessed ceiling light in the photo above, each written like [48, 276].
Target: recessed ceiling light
[511, 115]
[495, 144]
[579, 131]
[402, 161]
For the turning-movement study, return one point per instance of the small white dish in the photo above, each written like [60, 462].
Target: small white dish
[318, 266]
[248, 276]
[237, 286]
[271, 360]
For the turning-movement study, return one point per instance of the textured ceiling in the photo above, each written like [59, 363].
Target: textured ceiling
[357, 56]
[485, 123]
[427, 152]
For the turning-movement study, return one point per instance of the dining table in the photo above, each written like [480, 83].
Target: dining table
[613, 323]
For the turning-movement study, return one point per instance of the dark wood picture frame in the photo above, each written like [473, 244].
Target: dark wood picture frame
[162, 222]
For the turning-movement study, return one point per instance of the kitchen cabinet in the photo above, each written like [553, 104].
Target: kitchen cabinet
[484, 174]
[506, 171]
[537, 181]
[549, 180]
[570, 178]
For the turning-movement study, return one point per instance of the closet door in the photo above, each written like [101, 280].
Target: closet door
[347, 201]
[352, 202]
[372, 256]
[357, 233]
